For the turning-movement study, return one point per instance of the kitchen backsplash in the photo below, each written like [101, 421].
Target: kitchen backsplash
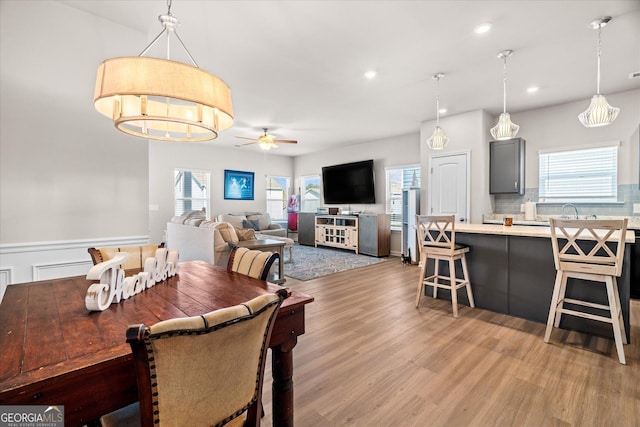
[627, 195]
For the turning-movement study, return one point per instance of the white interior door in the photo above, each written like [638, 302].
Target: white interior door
[449, 185]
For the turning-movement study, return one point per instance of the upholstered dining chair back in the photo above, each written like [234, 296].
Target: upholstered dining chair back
[251, 263]
[137, 254]
[204, 370]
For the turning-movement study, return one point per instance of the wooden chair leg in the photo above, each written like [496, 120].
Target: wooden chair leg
[466, 279]
[560, 302]
[436, 273]
[454, 291]
[553, 306]
[616, 295]
[615, 319]
[423, 270]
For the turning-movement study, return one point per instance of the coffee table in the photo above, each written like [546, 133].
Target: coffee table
[267, 245]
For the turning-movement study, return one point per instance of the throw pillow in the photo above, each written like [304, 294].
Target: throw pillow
[246, 233]
[263, 219]
[253, 224]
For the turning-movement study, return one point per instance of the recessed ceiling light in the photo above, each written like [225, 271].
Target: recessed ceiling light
[532, 89]
[482, 28]
[370, 74]
[442, 110]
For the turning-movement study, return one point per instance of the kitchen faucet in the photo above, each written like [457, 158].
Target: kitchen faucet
[570, 205]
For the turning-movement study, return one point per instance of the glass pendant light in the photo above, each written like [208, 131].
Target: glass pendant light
[505, 129]
[599, 113]
[438, 140]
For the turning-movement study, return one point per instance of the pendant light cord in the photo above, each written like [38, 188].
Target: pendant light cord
[599, 51]
[438, 101]
[504, 86]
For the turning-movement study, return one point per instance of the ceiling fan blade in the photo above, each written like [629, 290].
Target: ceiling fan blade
[248, 143]
[285, 141]
[244, 137]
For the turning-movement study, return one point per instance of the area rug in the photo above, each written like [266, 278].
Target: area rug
[310, 263]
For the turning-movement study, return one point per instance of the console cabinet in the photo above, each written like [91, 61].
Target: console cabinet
[338, 231]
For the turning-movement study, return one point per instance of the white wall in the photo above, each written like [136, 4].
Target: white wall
[68, 179]
[164, 157]
[396, 151]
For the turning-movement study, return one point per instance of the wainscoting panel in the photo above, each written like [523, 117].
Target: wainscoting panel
[28, 262]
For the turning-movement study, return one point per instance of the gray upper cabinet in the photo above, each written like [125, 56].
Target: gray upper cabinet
[507, 166]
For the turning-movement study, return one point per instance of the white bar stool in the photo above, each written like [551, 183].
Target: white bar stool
[437, 240]
[601, 263]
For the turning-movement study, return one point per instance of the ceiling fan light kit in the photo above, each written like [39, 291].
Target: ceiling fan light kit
[505, 129]
[599, 113]
[266, 141]
[438, 139]
[161, 99]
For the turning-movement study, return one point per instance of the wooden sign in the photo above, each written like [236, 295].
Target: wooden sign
[114, 287]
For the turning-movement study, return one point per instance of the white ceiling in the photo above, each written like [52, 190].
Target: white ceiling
[297, 67]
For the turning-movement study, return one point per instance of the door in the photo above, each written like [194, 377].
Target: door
[448, 185]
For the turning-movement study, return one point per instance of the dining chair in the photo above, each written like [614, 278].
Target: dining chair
[202, 370]
[591, 250]
[252, 263]
[437, 241]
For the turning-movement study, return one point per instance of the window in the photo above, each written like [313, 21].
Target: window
[310, 197]
[398, 178]
[582, 175]
[277, 188]
[190, 190]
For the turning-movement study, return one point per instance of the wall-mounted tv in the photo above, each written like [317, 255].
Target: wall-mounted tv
[349, 183]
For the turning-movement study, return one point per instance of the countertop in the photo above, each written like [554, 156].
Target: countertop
[519, 230]
[543, 220]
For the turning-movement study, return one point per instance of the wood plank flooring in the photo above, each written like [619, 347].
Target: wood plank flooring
[370, 358]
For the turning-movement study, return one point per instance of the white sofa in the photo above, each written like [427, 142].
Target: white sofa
[195, 238]
[258, 221]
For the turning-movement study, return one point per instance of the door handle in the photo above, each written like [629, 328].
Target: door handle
[461, 219]
[515, 185]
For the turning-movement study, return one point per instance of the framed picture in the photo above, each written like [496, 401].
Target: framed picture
[238, 185]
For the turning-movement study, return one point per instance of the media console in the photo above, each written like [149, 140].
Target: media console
[368, 234]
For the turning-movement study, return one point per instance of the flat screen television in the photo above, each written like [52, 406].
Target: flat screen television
[349, 183]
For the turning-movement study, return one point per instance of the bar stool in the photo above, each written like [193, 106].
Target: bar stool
[600, 263]
[437, 240]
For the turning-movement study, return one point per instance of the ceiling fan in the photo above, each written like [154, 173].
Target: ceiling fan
[266, 141]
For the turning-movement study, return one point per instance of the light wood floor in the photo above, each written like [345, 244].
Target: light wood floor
[370, 358]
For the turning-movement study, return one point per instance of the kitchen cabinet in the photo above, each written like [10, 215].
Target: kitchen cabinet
[506, 166]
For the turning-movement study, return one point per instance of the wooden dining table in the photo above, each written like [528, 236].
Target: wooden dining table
[53, 351]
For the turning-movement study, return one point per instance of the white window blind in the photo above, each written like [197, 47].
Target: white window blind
[586, 175]
[398, 178]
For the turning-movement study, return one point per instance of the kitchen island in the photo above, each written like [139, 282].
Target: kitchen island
[512, 271]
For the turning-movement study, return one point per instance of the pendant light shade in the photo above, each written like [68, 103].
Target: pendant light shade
[438, 139]
[161, 99]
[505, 129]
[599, 113]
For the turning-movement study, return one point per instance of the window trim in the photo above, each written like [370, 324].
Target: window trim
[395, 225]
[207, 199]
